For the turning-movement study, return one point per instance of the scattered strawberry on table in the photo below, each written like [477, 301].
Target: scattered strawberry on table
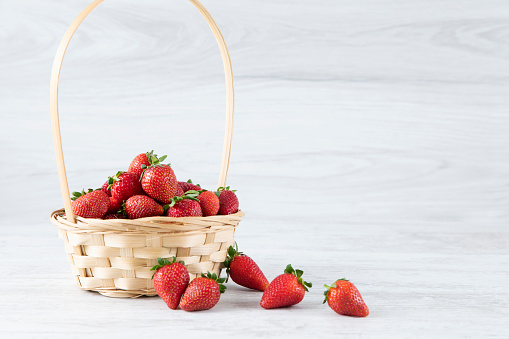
[244, 271]
[285, 290]
[344, 298]
[202, 293]
[150, 188]
[170, 280]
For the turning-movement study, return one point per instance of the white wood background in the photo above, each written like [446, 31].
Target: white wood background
[371, 142]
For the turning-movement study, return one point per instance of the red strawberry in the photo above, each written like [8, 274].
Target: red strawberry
[244, 271]
[344, 298]
[229, 203]
[160, 182]
[184, 207]
[209, 203]
[180, 191]
[188, 186]
[285, 290]
[141, 206]
[141, 159]
[124, 185]
[202, 293]
[115, 205]
[106, 188]
[170, 281]
[114, 216]
[91, 204]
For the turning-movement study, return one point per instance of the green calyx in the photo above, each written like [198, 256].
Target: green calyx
[333, 285]
[154, 161]
[76, 195]
[220, 189]
[191, 195]
[122, 209]
[214, 277]
[298, 273]
[232, 253]
[113, 179]
[163, 262]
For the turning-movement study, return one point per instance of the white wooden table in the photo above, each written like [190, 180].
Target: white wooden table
[371, 142]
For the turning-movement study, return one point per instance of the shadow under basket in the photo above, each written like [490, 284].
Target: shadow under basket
[114, 257]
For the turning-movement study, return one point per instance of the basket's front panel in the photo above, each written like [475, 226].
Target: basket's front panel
[118, 265]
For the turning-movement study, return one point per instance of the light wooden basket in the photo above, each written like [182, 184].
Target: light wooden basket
[114, 257]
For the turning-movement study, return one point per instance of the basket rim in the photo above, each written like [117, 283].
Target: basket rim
[167, 225]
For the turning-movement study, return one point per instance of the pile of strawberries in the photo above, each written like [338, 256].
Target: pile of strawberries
[171, 282]
[150, 188]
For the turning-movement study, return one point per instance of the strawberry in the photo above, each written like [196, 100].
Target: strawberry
[209, 203]
[188, 186]
[91, 204]
[285, 290]
[124, 185]
[138, 161]
[106, 188]
[159, 181]
[114, 216]
[202, 293]
[170, 280]
[186, 205]
[228, 201]
[115, 205]
[180, 191]
[344, 298]
[141, 206]
[244, 271]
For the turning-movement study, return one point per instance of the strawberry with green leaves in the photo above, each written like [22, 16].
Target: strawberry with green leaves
[244, 271]
[202, 293]
[186, 205]
[209, 203]
[142, 206]
[139, 161]
[345, 299]
[91, 204]
[285, 290]
[124, 185]
[228, 201]
[159, 181]
[170, 280]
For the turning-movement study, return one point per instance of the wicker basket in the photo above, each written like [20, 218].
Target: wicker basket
[114, 257]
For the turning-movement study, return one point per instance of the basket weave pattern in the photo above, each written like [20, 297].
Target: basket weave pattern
[114, 257]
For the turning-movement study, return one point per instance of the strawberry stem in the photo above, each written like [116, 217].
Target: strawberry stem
[214, 277]
[232, 253]
[298, 273]
[163, 262]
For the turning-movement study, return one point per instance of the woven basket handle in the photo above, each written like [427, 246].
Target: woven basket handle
[55, 124]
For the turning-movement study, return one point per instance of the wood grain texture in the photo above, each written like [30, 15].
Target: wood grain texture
[371, 141]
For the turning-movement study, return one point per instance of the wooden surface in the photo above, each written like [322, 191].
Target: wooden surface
[371, 142]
